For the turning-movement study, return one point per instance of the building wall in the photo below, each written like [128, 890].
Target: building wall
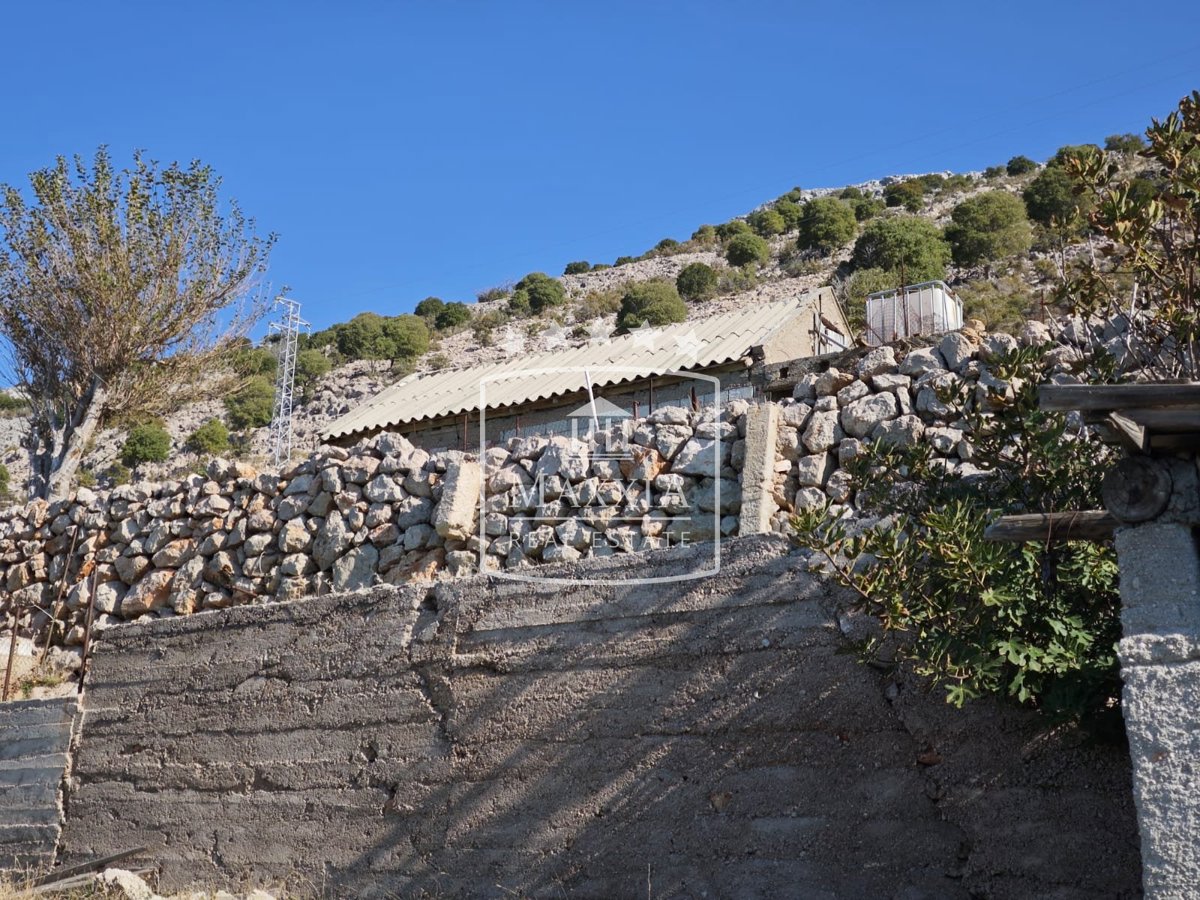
[489, 739]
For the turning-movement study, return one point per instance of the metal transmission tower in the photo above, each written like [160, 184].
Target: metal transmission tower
[285, 383]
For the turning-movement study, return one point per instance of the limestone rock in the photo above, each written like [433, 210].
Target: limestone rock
[356, 570]
[918, 362]
[151, 592]
[455, 514]
[860, 417]
[823, 432]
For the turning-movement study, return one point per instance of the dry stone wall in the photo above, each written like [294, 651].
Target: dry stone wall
[381, 512]
[387, 512]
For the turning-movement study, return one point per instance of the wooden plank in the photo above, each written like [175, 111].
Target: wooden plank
[1083, 525]
[1126, 432]
[1085, 397]
[1166, 420]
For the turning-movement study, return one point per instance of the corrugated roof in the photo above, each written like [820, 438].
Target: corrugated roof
[523, 379]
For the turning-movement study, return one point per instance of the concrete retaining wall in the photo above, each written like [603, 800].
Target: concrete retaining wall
[35, 736]
[488, 738]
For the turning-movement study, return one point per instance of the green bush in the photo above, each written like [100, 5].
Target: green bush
[430, 308]
[146, 442]
[578, 267]
[5, 481]
[650, 303]
[991, 173]
[1051, 200]
[250, 361]
[452, 315]
[212, 437]
[536, 293]
[1073, 151]
[932, 182]
[909, 245]
[493, 293]
[858, 286]
[252, 405]
[705, 236]
[11, 405]
[598, 303]
[624, 261]
[747, 249]
[791, 212]
[1127, 144]
[988, 227]
[666, 247]
[766, 222]
[850, 193]
[372, 336]
[955, 183]
[731, 229]
[696, 281]
[826, 224]
[909, 194]
[1003, 304]
[866, 208]
[1020, 165]
[795, 195]
[1037, 622]
[311, 366]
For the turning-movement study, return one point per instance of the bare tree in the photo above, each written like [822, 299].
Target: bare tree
[117, 292]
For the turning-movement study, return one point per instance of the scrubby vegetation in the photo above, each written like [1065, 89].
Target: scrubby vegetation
[147, 442]
[251, 405]
[210, 439]
[988, 227]
[911, 246]
[747, 249]
[826, 224]
[650, 303]
[696, 281]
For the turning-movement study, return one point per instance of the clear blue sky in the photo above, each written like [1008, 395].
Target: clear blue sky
[414, 148]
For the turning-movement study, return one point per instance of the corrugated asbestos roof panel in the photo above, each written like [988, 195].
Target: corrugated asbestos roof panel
[540, 376]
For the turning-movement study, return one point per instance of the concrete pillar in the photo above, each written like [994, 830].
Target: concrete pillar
[457, 512]
[758, 469]
[1160, 668]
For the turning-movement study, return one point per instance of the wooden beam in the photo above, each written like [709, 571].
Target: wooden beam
[1169, 420]
[1084, 525]
[1137, 489]
[1126, 432]
[1106, 397]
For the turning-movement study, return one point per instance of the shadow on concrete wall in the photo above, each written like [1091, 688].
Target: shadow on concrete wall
[708, 738]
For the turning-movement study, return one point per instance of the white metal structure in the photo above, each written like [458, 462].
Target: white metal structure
[285, 381]
[926, 308]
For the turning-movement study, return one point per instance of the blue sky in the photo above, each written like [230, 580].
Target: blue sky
[409, 149]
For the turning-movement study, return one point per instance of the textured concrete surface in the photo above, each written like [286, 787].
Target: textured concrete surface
[758, 470]
[35, 736]
[495, 739]
[1160, 667]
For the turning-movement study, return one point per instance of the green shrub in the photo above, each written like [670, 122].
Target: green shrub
[705, 236]
[867, 208]
[1020, 165]
[1073, 151]
[747, 249]
[11, 405]
[666, 247]
[826, 224]
[955, 183]
[536, 293]
[146, 442]
[791, 212]
[372, 336]
[858, 286]
[650, 303]
[736, 281]
[1003, 304]
[766, 222]
[430, 308]
[795, 195]
[1051, 200]
[493, 293]
[250, 361]
[623, 261]
[932, 182]
[696, 281]
[311, 366]
[909, 194]
[86, 477]
[212, 437]
[1127, 144]
[850, 193]
[988, 227]
[598, 303]
[731, 229]
[577, 268]
[452, 315]
[991, 173]
[6, 481]
[903, 244]
[483, 328]
[252, 405]
[1037, 622]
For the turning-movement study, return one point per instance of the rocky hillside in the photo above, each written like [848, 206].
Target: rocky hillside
[1002, 294]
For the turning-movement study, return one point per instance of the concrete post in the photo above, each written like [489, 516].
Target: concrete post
[1160, 668]
[758, 469]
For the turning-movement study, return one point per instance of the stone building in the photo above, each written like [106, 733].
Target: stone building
[693, 364]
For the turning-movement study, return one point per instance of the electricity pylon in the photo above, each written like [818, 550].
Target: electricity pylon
[285, 380]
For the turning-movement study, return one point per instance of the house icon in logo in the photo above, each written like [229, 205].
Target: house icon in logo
[600, 416]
